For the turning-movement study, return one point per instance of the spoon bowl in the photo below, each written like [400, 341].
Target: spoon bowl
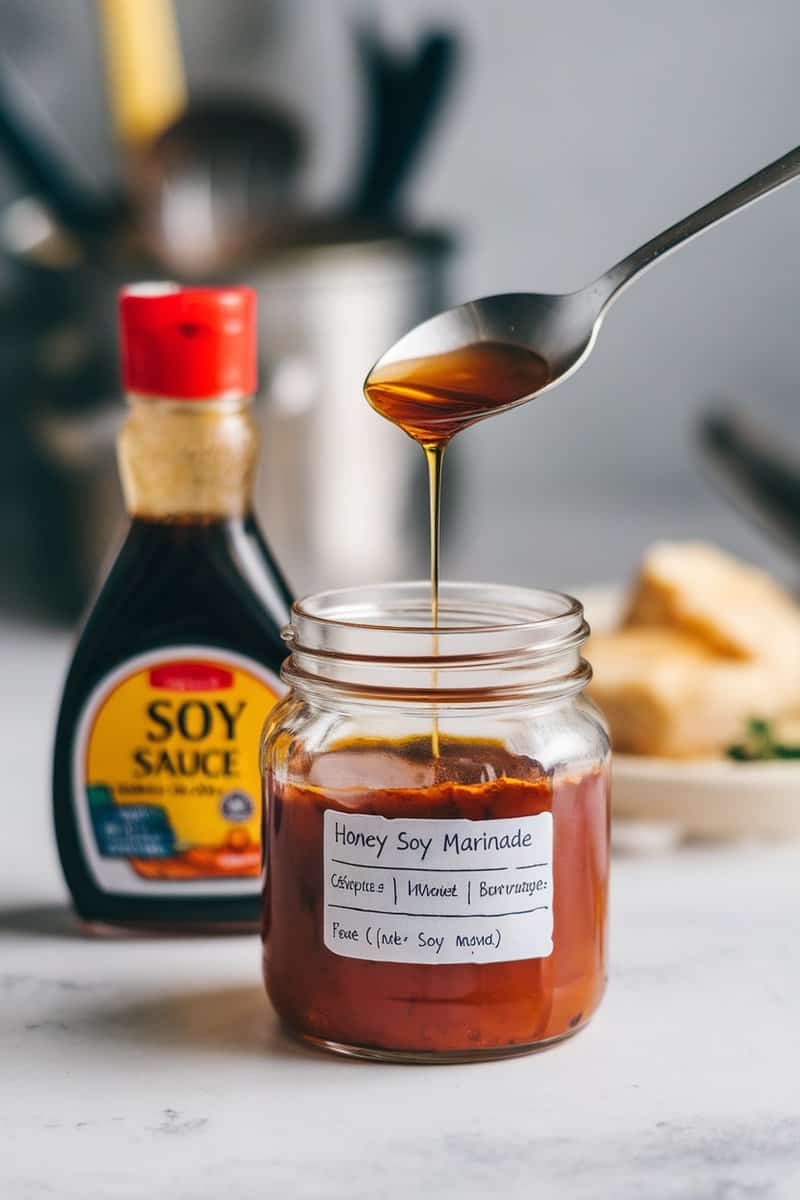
[562, 329]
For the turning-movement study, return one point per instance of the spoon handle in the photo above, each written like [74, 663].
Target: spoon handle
[782, 171]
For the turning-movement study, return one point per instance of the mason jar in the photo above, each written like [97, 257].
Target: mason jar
[436, 824]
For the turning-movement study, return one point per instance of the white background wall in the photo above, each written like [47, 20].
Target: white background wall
[577, 130]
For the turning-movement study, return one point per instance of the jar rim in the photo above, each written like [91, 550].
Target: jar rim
[341, 600]
[490, 639]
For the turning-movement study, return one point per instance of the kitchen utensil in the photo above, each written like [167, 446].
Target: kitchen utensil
[222, 171]
[33, 149]
[402, 99]
[144, 70]
[59, 498]
[762, 477]
[203, 174]
[562, 329]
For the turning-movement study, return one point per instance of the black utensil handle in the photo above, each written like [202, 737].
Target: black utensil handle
[424, 87]
[403, 98]
[763, 479]
[30, 148]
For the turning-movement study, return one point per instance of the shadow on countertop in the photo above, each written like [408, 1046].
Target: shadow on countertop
[226, 1020]
[235, 1020]
[61, 921]
[41, 920]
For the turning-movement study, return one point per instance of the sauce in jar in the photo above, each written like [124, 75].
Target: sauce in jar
[435, 901]
[429, 1006]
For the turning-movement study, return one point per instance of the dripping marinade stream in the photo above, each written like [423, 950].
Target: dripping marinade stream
[434, 398]
[434, 457]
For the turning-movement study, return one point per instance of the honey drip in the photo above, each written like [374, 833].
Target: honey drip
[432, 399]
[434, 457]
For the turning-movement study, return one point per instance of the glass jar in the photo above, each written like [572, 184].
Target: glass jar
[436, 824]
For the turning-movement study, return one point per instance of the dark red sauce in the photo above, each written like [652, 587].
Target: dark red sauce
[442, 1008]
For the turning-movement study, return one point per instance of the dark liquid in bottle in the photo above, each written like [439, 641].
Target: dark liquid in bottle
[199, 582]
[432, 399]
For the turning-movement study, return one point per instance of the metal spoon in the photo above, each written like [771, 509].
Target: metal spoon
[562, 329]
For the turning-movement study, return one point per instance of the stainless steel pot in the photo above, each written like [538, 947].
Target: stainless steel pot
[338, 486]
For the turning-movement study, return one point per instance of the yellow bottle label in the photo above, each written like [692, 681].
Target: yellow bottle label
[167, 776]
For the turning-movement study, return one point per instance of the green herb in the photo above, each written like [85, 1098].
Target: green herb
[760, 744]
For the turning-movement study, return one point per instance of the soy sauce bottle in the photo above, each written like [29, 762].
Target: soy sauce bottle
[156, 779]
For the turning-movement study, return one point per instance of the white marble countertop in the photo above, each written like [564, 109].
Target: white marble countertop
[133, 1068]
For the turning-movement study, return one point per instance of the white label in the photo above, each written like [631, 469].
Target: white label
[437, 891]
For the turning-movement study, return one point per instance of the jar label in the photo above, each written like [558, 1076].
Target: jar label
[166, 773]
[438, 891]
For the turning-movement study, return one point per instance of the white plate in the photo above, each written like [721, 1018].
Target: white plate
[708, 797]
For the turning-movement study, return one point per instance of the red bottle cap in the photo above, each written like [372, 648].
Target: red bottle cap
[189, 343]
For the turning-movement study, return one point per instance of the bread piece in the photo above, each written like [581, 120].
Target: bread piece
[668, 693]
[787, 729]
[738, 610]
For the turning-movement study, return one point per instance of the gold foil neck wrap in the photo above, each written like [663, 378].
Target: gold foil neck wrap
[187, 459]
